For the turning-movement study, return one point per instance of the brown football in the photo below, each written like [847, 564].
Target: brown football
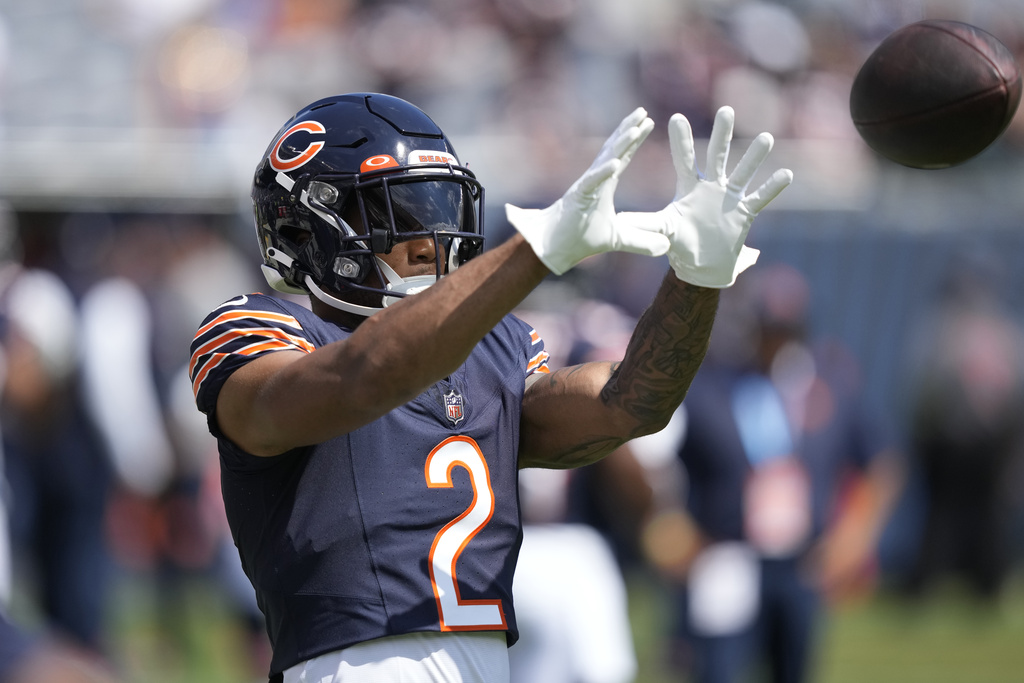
[935, 93]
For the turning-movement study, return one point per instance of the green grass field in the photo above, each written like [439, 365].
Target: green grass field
[191, 637]
[946, 639]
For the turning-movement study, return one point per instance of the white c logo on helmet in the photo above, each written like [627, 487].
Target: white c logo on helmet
[285, 165]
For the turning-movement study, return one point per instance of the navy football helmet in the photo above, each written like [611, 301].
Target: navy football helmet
[347, 178]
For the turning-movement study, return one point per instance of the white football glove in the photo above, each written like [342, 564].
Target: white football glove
[709, 218]
[582, 223]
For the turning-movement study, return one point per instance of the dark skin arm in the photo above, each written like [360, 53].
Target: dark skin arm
[572, 417]
[577, 415]
[288, 399]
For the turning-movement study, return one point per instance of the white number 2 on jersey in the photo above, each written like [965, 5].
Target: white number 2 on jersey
[455, 613]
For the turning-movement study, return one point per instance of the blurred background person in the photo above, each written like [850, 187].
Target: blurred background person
[57, 469]
[571, 598]
[787, 488]
[165, 521]
[579, 526]
[966, 432]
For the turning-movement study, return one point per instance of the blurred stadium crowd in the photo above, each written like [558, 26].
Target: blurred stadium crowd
[129, 130]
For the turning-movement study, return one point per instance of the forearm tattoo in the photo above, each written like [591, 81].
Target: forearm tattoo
[664, 353]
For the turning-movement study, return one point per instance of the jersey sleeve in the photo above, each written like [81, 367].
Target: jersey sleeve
[236, 333]
[538, 357]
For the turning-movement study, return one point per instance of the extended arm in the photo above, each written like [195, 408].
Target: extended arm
[289, 399]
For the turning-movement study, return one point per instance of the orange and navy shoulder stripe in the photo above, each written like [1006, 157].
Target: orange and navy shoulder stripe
[239, 335]
[539, 359]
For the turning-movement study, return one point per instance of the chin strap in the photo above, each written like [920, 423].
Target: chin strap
[340, 304]
[407, 286]
[402, 285]
[395, 283]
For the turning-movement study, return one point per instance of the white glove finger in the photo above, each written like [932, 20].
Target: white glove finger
[769, 190]
[751, 161]
[644, 242]
[591, 181]
[634, 119]
[680, 140]
[627, 145]
[718, 145]
[611, 147]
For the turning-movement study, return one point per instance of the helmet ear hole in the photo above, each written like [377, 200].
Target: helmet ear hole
[296, 235]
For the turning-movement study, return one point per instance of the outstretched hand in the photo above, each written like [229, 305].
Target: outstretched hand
[582, 222]
[708, 220]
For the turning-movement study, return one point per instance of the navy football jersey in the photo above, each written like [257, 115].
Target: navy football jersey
[409, 523]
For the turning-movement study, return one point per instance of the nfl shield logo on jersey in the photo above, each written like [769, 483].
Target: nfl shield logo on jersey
[453, 406]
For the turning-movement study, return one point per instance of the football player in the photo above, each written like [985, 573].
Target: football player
[370, 443]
